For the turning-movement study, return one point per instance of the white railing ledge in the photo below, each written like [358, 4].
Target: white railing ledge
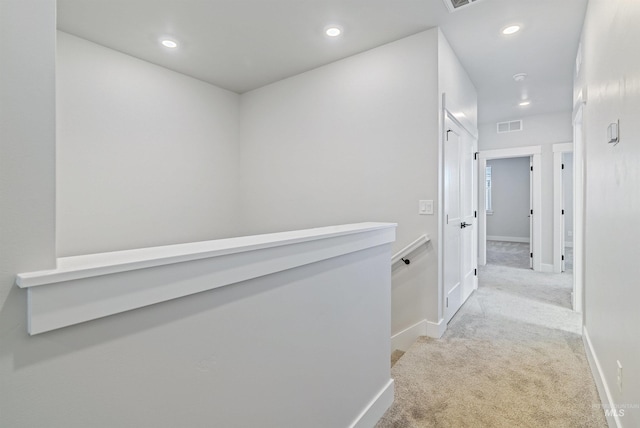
[90, 265]
[89, 287]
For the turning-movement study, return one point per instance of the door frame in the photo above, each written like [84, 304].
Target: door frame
[536, 239]
[559, 150]
[579, 197]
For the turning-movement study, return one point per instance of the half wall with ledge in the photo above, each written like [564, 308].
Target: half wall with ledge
[298, 325]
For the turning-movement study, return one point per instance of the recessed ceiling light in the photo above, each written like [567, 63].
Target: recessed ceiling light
[168, 43]
[511, 29]
[519, 77]
[333, 31]
[524, 103]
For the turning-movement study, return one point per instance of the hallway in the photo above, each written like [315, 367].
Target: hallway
[512, 356]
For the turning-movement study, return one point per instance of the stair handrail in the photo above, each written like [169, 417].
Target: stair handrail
[401, 255]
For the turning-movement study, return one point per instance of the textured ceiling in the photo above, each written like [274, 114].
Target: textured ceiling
[241, 45]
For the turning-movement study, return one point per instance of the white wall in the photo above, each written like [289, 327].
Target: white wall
[610, 74]
[453, 80]
[145, 156]
[351, 141]
[539, 130]
[510, 198]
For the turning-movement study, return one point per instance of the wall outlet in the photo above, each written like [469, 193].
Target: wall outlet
[619, 376]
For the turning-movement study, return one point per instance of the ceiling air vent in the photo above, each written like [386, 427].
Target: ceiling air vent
[454, 5]
[514, 125]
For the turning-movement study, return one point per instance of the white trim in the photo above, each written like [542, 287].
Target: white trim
[515, 152]
[436, 330]
[441, 215]
[405, 338]
[482, 213]
[579, 198]
[508, 238]
[613, 420]
[546, 267]
[376, 408]
[568, 244]
[537, 212]
[99, 285]
[536, 153]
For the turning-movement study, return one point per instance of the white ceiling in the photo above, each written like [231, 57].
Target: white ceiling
[241, 45]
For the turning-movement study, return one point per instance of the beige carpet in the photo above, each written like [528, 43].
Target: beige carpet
[511, 357]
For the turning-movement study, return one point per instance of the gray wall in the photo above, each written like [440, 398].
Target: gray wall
[510, 199]
[357, 140]
[364, 148]
[610, 43]
[145, 156]
[27, 198]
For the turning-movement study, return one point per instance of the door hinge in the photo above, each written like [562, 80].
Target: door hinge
[531, 212]
[475, 214]
[562, 166]
[475, 272]
[475, 156]
[531, 255]
[531, 168]
[562, 212]
[447, 302]
[563, 257]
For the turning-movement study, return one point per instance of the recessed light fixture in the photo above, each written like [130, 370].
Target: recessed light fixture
[168, 43]
[511, 29]
[524, 103]
[333, 31]
[519, 77]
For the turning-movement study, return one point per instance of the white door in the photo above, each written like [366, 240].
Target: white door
[453, 219]
[459, 223]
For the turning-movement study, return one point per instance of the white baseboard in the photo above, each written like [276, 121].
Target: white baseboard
[404, 339]
[436, 330]
[546, 267]
[507, 238]
[613, 420]
[376, 408]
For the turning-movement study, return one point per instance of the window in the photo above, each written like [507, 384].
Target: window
[487, 194]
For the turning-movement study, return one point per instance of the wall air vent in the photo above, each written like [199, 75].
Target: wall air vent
[514, 125]
[454, 5]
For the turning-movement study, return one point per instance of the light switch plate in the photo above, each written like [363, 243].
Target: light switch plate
[425, 207]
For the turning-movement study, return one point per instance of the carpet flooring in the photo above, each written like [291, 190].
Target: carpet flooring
[511, 357]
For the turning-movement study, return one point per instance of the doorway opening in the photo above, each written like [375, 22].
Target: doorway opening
[508, 199]
[563, 217]
[530, 156]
